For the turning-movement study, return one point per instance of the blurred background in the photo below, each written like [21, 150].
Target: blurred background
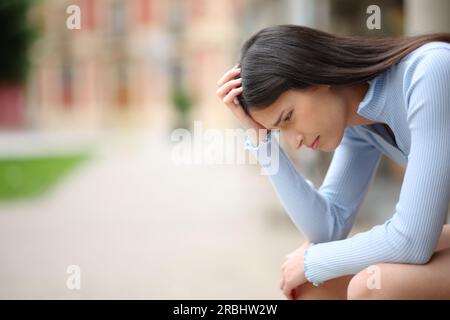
[87, 176]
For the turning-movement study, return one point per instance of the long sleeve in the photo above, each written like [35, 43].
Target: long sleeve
[328, 213]
[412, 233]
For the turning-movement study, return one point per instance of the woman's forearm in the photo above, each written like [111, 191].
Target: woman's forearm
[308, 209]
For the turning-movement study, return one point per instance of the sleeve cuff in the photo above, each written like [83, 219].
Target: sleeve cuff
[249, 146]
[306, 267]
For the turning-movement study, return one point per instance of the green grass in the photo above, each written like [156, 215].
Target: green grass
[30, 177]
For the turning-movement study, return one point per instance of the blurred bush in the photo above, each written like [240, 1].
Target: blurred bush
[16, 37]
[183, 104]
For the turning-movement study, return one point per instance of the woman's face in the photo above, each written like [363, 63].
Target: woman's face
[318, 111]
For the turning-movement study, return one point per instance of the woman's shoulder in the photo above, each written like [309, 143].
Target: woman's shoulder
[433, 45]
[428, 49]
[423, 62]
[427, 69]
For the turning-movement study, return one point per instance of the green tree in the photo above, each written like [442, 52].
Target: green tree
[182, 103]
[16, 38]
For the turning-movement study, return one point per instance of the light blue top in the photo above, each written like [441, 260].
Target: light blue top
[413, 99]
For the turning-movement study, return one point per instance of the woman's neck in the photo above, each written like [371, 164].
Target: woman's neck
[355, 95]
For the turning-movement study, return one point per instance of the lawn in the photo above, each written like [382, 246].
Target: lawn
[28, 177]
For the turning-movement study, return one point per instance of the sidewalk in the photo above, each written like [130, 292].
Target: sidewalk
[139, 227]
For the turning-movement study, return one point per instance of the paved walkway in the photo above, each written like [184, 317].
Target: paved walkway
[140, 227]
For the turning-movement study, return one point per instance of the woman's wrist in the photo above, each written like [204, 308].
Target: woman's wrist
[258, 136]
[305, 266]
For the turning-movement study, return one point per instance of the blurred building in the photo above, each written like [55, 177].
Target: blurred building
[113, 67]
[121, 67]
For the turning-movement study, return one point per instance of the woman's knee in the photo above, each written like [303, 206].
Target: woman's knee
[366, 284]
[334, 289]
[387, 281]
[444, 239]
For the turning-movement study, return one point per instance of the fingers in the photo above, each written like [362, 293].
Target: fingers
[230, 74]
[286, 286]
[294, 294]
[232, 95]
[282, 282]
[288, 293]
[223, 90]
[228, 90]
[287, 290]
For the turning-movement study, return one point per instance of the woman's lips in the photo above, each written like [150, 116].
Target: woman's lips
[315, 144]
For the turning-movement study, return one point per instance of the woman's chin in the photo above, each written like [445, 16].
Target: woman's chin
[328, 148]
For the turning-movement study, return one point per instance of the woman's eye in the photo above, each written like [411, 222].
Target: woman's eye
[289, 116]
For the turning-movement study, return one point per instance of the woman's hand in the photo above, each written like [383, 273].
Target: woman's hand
[229, 89]
[293, 272]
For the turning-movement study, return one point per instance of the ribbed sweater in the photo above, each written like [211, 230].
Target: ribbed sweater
[412, 97]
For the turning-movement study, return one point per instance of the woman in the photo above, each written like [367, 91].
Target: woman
[359, 98]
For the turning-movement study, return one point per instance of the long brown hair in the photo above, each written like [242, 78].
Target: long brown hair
[283, 57]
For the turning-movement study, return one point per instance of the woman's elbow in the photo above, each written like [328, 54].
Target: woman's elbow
[418, 255]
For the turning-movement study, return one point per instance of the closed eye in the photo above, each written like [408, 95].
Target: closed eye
[288, 117]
